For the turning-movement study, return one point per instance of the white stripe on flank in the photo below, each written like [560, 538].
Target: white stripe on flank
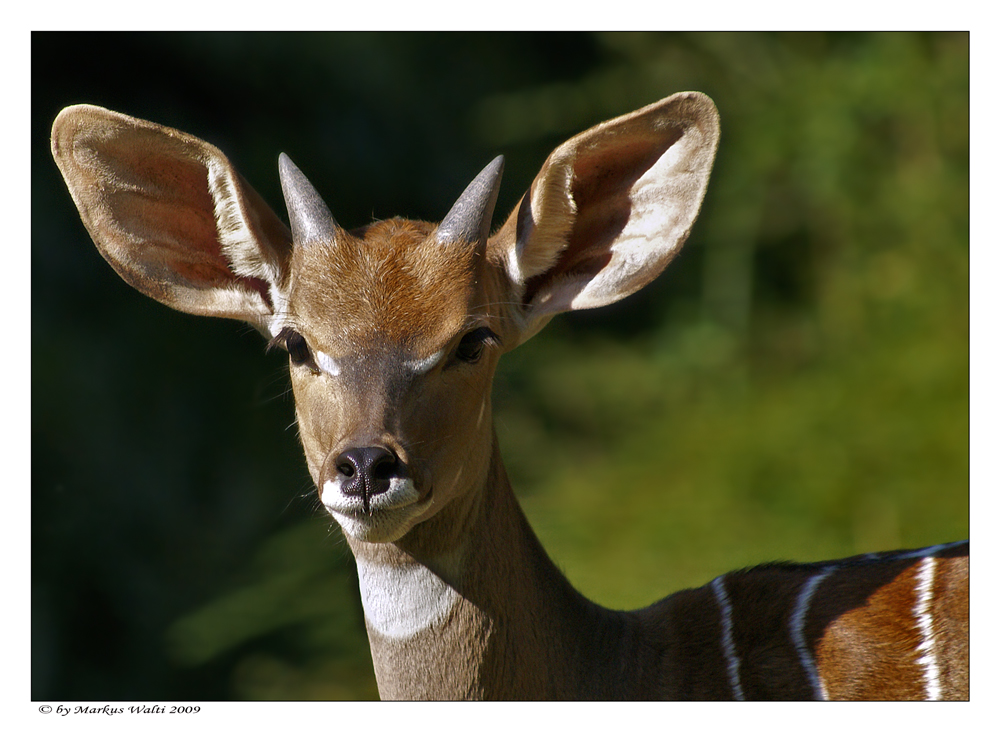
[922, 611]
[798, 631]
[728, 645]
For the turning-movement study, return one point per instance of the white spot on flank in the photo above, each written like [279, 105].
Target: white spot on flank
[922, 611]
[728, 645]
[402, 600]
[327, 364]
[798, 631]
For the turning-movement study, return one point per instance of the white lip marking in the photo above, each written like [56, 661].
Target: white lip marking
[390, 514]
[327, 364]
[401, 493]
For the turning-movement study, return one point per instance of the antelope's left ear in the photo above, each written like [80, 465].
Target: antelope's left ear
[609, 209]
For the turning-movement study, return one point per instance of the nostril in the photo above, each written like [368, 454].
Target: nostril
[346, 467]
[384, 467]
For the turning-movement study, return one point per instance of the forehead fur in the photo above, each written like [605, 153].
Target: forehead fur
[389, 282]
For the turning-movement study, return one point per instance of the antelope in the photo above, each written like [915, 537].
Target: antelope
[393, 332]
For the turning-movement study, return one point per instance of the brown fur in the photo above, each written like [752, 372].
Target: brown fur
[383, 285]
[950, 610]
[868, 603]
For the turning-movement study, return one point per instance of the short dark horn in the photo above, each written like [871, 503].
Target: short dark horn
[472, 215]
[309, 217]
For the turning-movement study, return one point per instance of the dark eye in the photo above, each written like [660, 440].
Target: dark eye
[298, 350]
[470, 348]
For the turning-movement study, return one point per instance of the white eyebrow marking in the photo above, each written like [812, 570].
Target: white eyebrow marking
[331, 367]
[327, 364]
[423, 365]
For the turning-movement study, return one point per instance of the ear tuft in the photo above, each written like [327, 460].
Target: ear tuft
[550, 200]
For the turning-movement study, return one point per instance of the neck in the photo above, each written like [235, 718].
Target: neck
[468, 605]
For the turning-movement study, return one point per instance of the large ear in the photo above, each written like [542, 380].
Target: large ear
[609, 209]
[172, 216]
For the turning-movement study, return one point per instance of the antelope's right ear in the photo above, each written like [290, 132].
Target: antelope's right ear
[173, 217]
[609, 209]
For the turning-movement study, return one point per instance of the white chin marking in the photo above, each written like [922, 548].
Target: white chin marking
[402, 600]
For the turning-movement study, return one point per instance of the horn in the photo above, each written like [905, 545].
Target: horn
[309, 217]
[470, 218]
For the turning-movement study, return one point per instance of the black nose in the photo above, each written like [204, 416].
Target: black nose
[367, 471]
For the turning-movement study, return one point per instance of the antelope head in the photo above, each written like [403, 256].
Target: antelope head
[393, 333]
[394, 329]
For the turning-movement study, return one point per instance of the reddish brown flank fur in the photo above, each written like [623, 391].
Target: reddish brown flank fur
[874, 605]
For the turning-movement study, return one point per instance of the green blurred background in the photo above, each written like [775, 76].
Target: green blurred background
[795, 386]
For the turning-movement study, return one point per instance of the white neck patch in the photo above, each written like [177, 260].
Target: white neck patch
[402, 600]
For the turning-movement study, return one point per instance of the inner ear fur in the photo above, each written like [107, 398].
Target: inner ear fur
[172, 216]
[609, 208]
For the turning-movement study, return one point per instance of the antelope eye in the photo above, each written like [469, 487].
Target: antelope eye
[298, 350]
[470, 348]
[297, 347]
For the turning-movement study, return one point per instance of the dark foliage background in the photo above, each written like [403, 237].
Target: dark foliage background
[795, 386]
